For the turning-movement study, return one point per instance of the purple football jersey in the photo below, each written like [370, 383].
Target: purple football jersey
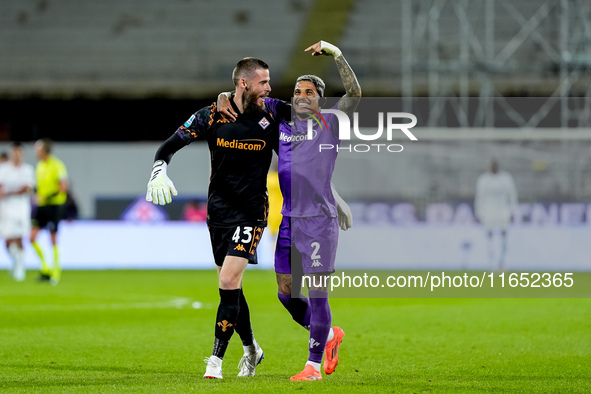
[305, 172]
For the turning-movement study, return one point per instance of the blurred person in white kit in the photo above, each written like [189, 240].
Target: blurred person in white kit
[17, 180]
[495, 204]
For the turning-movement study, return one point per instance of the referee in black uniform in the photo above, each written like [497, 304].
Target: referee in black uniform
[237, 203]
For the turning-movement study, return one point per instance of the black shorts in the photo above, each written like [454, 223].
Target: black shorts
[241, 241]
[48, 216]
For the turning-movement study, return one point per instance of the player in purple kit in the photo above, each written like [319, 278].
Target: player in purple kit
[308, 234]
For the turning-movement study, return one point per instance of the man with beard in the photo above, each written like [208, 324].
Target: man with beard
[237, 203]
[312, 209]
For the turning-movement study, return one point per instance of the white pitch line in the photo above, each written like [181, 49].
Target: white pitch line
[178, 303]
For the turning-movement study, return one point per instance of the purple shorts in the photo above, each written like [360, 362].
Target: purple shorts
[307, 245]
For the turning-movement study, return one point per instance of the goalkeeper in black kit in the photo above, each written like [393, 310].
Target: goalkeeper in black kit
[237, 204]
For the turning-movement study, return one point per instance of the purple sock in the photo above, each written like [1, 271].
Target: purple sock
[319, 324]
[299, 308]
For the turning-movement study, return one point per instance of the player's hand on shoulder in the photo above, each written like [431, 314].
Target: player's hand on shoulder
[160, 187]
[224, 107]
[324, 48]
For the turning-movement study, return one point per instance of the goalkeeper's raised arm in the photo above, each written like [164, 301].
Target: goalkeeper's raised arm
[350, 100]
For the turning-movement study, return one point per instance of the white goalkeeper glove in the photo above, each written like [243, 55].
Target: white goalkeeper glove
[330, 49]
[160, 187]
[345, 217]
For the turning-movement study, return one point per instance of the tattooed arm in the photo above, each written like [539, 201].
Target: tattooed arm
[350, 100]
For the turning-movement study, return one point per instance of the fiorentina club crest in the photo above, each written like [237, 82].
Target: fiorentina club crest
[264, 123]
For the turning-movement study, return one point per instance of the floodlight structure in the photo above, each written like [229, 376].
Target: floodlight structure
[543, 50]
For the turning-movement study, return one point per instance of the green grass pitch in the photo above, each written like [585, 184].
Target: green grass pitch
[137, 331]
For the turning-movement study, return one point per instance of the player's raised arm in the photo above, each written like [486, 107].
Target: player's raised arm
[350, 100]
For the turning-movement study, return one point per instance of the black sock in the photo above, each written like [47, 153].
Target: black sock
[299, 308]
[243, 326]
[226, 320]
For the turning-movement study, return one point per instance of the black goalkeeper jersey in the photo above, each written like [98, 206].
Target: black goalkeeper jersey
[241, 154]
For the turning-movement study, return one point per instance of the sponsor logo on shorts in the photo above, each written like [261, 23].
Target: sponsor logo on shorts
[240, 248]
[317, 263]
[258, 232]
[254, 145]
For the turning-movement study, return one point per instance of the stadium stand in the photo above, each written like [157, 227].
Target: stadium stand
[526, 34]
[140, 48]
[185, 49]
